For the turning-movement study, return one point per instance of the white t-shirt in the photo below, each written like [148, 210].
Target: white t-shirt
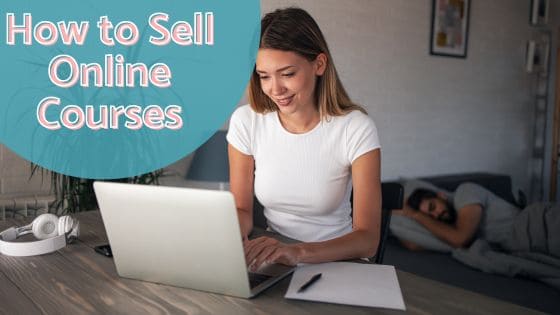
[304, 180]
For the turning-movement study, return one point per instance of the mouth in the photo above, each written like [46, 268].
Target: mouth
[284, 101]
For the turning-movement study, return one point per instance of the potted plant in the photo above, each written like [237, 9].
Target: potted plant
[74, 194]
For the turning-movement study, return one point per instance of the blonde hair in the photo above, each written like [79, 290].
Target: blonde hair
[293, 29]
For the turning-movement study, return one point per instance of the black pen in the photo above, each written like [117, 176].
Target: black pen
[309, 283]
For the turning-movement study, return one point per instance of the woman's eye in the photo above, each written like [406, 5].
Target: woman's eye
[291, 74]
[263, 77]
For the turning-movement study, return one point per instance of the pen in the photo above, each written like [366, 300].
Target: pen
[309, 283]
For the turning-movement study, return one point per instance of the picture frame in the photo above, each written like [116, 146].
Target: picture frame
[539, 12]
[537, 55]
[450, 28]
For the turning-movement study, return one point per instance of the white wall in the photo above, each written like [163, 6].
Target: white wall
[14, 176]
[435, 115]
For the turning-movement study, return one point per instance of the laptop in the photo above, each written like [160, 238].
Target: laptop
[181, 237]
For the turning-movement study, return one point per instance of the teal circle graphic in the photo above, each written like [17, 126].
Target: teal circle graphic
[112, 89]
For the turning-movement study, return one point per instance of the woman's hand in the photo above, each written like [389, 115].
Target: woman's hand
[266, 250]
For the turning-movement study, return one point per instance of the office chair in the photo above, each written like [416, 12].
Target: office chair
[391, 198]
[392, 195]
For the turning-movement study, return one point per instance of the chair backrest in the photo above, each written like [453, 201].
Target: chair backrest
[392, 195]
[259, 220]
[391, 198]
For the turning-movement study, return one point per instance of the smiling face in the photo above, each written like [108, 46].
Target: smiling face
[289, 79]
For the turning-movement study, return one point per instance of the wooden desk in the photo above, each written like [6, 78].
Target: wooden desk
[77, 280]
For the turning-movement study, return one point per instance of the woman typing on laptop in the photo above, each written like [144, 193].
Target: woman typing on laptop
[300, 147]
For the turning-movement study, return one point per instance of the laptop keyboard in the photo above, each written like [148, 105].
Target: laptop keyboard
[255, 279]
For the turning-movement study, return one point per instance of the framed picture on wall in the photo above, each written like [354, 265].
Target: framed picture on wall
[539, 12]
[450, 28]
[538, 52]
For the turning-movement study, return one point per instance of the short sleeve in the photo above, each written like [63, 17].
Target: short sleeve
[361, 135]
[468, 194]
[240, 130]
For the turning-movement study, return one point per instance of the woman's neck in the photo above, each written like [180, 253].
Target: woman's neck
[300, 122]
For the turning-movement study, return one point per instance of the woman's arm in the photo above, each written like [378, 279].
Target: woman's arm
[241, 177]
[361, 242]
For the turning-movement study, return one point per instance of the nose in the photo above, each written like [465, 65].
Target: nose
[276, 88]
[438, 214]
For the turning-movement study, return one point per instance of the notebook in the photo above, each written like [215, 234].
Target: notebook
[349, 283]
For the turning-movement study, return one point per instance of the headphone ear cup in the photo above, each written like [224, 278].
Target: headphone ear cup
[65, 224]
[45, 226]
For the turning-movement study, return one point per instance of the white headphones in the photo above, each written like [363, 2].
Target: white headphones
[53, 234]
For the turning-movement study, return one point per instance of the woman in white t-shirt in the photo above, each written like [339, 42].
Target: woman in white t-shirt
[301, 147]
